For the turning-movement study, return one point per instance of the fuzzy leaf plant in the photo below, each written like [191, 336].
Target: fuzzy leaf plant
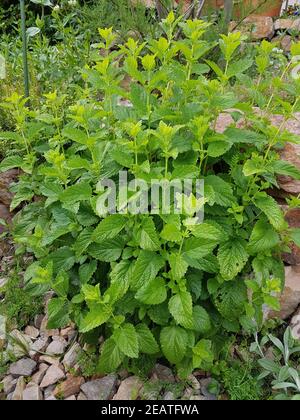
[157, 285]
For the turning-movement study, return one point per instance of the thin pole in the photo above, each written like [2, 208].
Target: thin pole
[24, 39]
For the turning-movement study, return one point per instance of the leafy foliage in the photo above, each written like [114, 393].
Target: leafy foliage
[153, 285]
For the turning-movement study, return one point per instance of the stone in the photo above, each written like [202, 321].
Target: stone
[23, 367]
[7, 178]
[48, 392]
[199, 398]
[19, 344]
[4, 215]
[57, 347]
[256, 27]
[290, 297]
[290, 153]
[18, 392]
[163, 373]
[32, 393]
[129, 389]
[69, 387]
[39, 346]
[51, 398]
[169, 396]
[71, 356]
[45, 331]
[38, 376]
[50, 360]
[295, 325]
[32, 332]
[286, 43]
[287, 25]
[188, 392]
[52, 376]
[9, 384]
[71, 398]
[204, 389]
[38, 319]
[292, 216]
[81, 397]
[193, 381]
[100, 389]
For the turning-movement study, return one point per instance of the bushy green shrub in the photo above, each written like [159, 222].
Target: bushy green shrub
[157, 285]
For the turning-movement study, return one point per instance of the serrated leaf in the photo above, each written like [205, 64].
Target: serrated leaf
[86, 271]
[236, 135]
[58, 313]
[282, 167]
[208, 231]
[126, 339]
[146, 268]
[148, 236]
[98, 314]
[178, 266]
[263, 237]
[232, 257]
[83, 240]
[63, 259]
[223, 194]
[147, 342]
[110, 358]
[109, 228]
[108, 251]
[11, 162]
[197, 248]
[171, 233]
[271, 209]
[61, 284]
[201, 319]
[181, 308]
[78, 192]
[173, 342]
[153, 292]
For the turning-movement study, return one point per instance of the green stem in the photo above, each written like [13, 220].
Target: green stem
[24, 48]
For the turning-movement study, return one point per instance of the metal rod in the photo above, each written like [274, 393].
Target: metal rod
[25, 58]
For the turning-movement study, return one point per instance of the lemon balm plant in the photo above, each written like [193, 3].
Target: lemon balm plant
[157, 285]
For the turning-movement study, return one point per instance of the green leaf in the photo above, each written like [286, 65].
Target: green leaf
[173, 342]
[236, 135]
[109, 228]
[198, 247]
[61, 284]
[76, 135]
[83, 241]
[97, 315]
[147, 342]
[108, 251]
[120, 279]
[282, 167]
[295, 236]
[208, 231]
[271, 209]
[148, 236]
[171, 233]
[146, 268]
[232, 257]
[63, 259]
[201, 319]
[222, 190]
[11, 162]
[218, 148]
[159, 314]
[178, 266]
[78, 192]
[110, 358]
[181, 308]
[58, 313]
[202, 352]
[153, 292]
[127, 341]
[86, 271]
[263, 237]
